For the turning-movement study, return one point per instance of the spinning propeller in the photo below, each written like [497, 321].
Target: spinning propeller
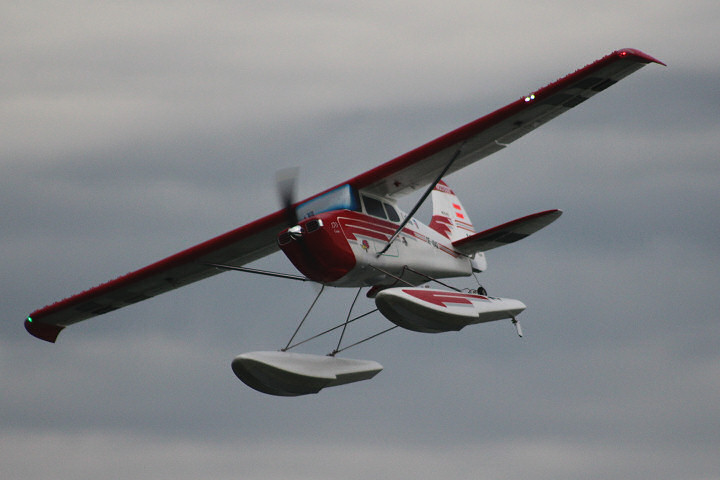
[286, 183]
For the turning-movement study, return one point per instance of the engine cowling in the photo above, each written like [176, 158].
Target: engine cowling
[317, 249]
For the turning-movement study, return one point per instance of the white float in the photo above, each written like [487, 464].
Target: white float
[433, 311]
[292, 374]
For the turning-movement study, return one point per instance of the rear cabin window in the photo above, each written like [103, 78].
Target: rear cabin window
[392, 213]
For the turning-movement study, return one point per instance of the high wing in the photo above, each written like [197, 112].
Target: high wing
[237, 247]
[493, 132]
[402, 175]
[506, 233]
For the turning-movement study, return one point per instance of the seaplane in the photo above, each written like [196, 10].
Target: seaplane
[354, 235]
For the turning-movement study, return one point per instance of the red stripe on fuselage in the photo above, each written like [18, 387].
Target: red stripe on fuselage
[326, 254]
[354, 223]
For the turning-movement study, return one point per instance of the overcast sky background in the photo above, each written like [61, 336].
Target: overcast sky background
[133, 130]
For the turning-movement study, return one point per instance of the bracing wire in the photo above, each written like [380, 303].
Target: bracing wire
[342, 334]
[330, 330]
[363, 340]
[348, 320]
[303, 319]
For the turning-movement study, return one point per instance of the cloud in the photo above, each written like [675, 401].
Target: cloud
[181, 459]
[135, 130]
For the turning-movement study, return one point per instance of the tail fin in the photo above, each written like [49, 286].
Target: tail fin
[449, 217]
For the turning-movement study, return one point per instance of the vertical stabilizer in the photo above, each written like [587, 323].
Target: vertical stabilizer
[449, 216]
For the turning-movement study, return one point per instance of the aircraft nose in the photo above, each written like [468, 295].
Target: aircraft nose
[295, 232]
[321, 254]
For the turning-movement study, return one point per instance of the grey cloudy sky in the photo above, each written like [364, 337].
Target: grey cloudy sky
[136, 129]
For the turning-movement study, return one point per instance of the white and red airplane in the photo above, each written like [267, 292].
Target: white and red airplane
[354, 235]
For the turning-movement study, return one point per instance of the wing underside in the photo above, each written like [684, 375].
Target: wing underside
[493, 132]
[237, 247]
[402, 175]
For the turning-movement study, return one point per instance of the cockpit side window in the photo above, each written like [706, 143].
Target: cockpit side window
[373, 207]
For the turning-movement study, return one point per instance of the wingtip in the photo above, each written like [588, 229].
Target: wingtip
[43, 331]
[642, 56]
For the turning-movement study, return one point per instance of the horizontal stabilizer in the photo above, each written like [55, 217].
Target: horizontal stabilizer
[506, 233]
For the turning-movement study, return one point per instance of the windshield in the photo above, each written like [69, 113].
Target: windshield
[341, 198]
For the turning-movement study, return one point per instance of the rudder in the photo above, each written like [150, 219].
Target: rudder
[449, 216]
